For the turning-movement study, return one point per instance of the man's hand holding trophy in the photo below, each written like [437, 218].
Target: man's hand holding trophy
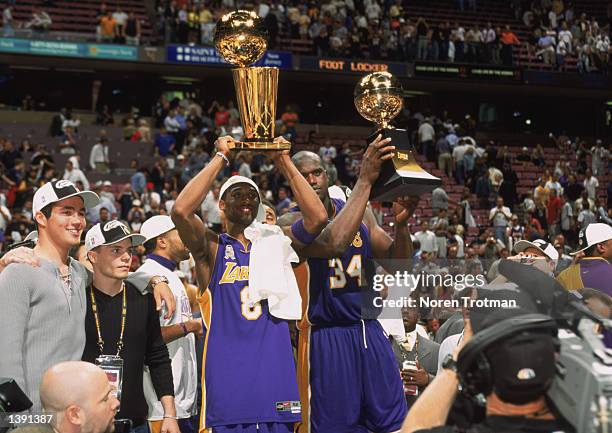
[379, 98]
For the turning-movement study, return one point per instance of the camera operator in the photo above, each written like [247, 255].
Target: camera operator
[510, 359]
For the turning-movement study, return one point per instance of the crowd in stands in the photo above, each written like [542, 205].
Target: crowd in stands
[453, 242]
[118, 26]
[39, 22]
[558, 32]
[371, 29]
[383, 30]
[568, 197]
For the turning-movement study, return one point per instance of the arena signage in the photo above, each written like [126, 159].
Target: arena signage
[68, 49]
[351, 66]
[197, 55]
[481, 72]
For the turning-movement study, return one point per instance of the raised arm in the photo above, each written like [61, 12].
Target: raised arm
[191, 229]
[338, 235]
[314, 215]
[385, 247]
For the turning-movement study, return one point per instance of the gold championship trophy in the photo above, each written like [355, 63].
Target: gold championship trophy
[240, 38]
[379, 98]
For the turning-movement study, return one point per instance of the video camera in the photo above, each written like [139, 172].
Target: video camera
[582, 390]
[12, 399]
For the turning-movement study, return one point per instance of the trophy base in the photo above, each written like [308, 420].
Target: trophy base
[402, 175]
[259, 146]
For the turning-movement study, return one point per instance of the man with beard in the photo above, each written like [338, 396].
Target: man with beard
[248, 374]
[165, 250]
[345, 360]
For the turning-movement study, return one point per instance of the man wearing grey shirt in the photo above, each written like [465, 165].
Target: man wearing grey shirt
[42, 309]
[42, 291]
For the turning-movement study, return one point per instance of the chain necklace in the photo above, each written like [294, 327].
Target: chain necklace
[94, 308]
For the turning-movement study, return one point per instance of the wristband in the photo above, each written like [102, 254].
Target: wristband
[171, 417]
[300, 233]
[185, 331]
[224, 157]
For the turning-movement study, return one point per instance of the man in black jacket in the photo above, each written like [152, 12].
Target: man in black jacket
[122, 328]
[522, 368]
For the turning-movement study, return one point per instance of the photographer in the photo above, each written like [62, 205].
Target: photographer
[510, 359]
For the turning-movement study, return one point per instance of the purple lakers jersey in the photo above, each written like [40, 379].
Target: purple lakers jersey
[339, 288]
[248, 371]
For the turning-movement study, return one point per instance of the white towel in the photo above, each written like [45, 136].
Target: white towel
[271, 276]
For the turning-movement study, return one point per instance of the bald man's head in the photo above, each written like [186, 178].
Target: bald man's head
[82, 397]
[310, 166]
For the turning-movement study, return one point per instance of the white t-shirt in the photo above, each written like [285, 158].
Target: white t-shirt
[120, 18]
[182, 352]
[5, 221]
[552, 16]
[556, 186]
[426, 132]
[566, 36]
[373, 11]
[427, 240]
[566, 216]
[591, 185]
[459, 152]
[211, 207]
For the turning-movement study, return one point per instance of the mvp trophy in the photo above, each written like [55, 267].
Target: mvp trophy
[240, 38]
[379, 99]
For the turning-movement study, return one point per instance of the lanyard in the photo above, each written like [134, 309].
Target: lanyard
[94, 308]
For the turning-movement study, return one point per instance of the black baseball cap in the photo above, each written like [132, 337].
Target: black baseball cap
[523, 366]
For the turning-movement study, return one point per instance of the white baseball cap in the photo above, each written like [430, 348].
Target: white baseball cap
[58, 190]
[110, 233]
[261, 212]
[155, 226]
[593, 234]
[546, 248]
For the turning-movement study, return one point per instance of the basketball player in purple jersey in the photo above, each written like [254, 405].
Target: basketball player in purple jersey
[248, 372]
[348, 377]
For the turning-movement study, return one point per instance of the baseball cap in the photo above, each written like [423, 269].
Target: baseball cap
[107, 183]
[523, 366]
[234, 180]
[546, 248]
[110, 233]
[155, 226]
[58, 190]
[593, 234]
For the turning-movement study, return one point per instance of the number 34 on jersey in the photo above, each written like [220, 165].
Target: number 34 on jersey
[339, 277]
